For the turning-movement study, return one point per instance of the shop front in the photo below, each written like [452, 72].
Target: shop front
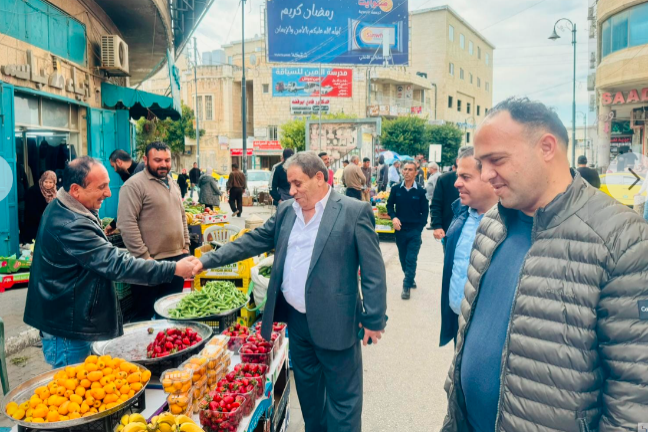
[267, 154]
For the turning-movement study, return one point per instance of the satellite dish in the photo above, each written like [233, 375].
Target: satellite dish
[253, 60]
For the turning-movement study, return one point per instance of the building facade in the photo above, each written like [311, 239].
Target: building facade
[66, 67]
[622, 78]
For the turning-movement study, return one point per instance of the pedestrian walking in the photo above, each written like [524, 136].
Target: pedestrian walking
[70, 296]
[183, 182]
[194, 177]
[590, 175]
[321, 239]
[125, 168]
[210, 192]
[153, 224]
[430, 184]
[554, 322]
[354, 179]
[476, 197]
[394, 174]
[327, 161]
[420, 175]
[367, 171]
[236, 185]
[445, 193]
[408, 209]
[383, 174]
[280, 190]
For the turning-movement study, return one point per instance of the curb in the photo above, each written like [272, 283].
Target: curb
[24, 339]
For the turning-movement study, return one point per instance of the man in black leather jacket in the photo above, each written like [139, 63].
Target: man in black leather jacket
[70, 297]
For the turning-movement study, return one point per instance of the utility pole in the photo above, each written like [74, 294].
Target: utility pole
[196, 103]
[243, 89]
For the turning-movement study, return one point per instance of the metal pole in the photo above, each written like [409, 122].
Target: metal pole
[320, 107]
[243, 87]
[574, 100]
[196, 103]
[435, 101]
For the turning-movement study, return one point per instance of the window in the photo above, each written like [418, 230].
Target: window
[487, 86]
[266, 88]
[199, 108]
[471, 48]
[471, 78]
[485, 111]
[624, 30]
[449, 101]
[478, 82]
[209, 113]
[459, 105]
[479, 53]
[487, 59]
[273, 133]
[468, 108]
[451, 33]
[478, 110]
[462, 41]
[452, 69]
[468, 138]
[461, 73]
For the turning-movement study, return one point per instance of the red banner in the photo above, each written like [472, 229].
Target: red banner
[239, 152]
[267, 145]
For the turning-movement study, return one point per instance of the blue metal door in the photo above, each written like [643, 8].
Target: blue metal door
[9, 205]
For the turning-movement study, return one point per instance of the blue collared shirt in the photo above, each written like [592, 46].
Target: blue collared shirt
[394, 176]
[462, 259]
[406, 188]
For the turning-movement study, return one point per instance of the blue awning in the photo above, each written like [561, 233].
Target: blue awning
[138, 102]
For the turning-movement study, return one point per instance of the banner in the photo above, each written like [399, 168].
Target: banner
[337, 31]
[239, 152]
[267, 145]
[305, 106]
[305, 82]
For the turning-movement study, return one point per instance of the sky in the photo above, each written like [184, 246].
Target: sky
[525, 61]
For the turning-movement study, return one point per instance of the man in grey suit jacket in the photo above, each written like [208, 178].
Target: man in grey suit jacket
[321, 238]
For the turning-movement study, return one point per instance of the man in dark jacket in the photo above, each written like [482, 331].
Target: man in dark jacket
[125, 168]
[280, 190]
[70, 297]
[590, 175]
[554, 324]
[408, 208]
[476, 197]
[236, 185]
[445, 193]
[194, 177]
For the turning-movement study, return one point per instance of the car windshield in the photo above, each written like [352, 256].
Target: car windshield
[258, 176]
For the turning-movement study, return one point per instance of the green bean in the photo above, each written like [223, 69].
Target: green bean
[216, 297]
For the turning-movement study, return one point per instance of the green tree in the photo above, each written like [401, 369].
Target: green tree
[449, 136]
[405, 135]
[293, 133]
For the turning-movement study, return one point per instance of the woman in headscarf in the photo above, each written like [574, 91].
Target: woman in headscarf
[183, 182]
[209, 191]
[37, 199]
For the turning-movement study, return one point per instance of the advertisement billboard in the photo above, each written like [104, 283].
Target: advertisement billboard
[337, 31]
[305, 106]
[305, 82]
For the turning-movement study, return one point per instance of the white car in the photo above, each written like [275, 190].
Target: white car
[258, 181]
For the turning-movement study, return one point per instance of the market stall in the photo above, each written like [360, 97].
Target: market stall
[384, 223]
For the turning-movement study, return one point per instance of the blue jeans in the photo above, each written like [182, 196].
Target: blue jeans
[60, 352]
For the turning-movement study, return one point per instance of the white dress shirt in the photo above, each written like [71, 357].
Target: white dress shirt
[300, 251]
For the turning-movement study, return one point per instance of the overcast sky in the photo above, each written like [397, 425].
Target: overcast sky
[525, 61]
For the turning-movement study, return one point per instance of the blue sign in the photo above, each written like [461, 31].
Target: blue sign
[337, 31]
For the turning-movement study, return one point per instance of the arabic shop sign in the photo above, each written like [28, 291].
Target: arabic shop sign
[77, 84]
[304, 106]
[618, 98]
[305, 82]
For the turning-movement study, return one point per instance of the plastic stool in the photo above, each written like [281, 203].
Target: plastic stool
[4, 376]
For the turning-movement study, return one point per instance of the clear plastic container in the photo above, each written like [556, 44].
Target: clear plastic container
[217, 421]
[180, 403]
[257, 372]
[247, 356]
[200, 388]
[214, 354]
[198, 365]
[278, 327]
[177, 381]
[219, 341]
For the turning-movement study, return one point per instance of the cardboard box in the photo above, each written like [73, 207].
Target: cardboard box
[247, 201]
[214, 219]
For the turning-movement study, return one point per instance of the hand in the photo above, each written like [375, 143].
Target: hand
[397, 224]
[438, 233]
[109, 230]
[185, 251]
[371, 334]
[185, 267]
[198, 267]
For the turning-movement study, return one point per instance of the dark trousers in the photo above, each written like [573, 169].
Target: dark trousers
[183, 191]
[408, 241]
[382, 187]
[236, 199]
[329, 383]
[145, 297]
[354, 193]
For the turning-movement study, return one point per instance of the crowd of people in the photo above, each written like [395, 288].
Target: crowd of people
[543, 291]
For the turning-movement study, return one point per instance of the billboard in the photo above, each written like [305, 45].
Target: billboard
[305, 106]
[305, 82]
[337, 31]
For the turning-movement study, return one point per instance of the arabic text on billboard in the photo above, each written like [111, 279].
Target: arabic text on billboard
[305, 82]
[304, 106]
[337, 31]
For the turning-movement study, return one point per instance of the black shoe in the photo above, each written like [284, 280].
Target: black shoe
[405, 295]
[413, 286]
[239, 214]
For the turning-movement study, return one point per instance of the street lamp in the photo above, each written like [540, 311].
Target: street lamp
[554, 36]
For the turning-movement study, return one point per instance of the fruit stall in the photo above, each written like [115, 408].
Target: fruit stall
[383, 221]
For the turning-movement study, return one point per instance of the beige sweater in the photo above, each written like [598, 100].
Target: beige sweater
[151, 217]
[354, 178]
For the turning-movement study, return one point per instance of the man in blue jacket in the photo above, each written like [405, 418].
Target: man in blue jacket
[476, 197]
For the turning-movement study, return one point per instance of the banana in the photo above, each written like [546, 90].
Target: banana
[137, 418]
[166, 418]
[135, 427]
[124, 419]
[120, 428]
[154, 419]
[190, 427]
[164, 427]
[181, 419]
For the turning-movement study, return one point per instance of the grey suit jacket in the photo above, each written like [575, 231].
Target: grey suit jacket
[346, 241]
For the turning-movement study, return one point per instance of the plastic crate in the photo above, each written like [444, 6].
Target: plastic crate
[12, 265]
[242, 284]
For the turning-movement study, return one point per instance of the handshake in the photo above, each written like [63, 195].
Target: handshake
[188, 267]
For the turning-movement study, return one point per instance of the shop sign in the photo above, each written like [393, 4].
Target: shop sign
[305, 82]
[267, 145]
[620, 99]
[304, 106]
[80, 86]
[621, 140]
[417, 110]
[239, 152]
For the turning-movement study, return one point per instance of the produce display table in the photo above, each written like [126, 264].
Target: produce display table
[9, 280]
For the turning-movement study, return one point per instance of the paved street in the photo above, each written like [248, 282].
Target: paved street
[403, 374]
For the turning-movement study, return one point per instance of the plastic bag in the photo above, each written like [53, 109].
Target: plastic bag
[261, 282]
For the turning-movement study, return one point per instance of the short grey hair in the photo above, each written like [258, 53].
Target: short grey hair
[77, 172]
[355, 158]
[309, 162]
[465, 152]
[433, 166]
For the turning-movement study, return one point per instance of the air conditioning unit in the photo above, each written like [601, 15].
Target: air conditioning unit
[114, 55]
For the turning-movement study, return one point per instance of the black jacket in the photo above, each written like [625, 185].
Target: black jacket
[70, 294]
[182, 181]
[591, 176]
[410, 207]
[35, 206]
[280, 187]
[194, 175]
[445, 193]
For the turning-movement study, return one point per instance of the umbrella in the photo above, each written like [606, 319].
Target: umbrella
[390, 157]
[406, 158]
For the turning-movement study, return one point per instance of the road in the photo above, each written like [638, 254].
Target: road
[403, 375]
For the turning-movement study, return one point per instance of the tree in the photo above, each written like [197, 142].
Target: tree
[449, 136]
[405, 135]
[293, 133]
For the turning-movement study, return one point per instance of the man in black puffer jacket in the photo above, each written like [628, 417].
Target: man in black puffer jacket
[70, 298]
[553, 331]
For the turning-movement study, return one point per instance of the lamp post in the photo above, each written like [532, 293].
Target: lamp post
[584, 134]
[554, 36]
[243, 90]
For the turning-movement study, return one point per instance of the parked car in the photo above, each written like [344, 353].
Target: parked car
[620, 186]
